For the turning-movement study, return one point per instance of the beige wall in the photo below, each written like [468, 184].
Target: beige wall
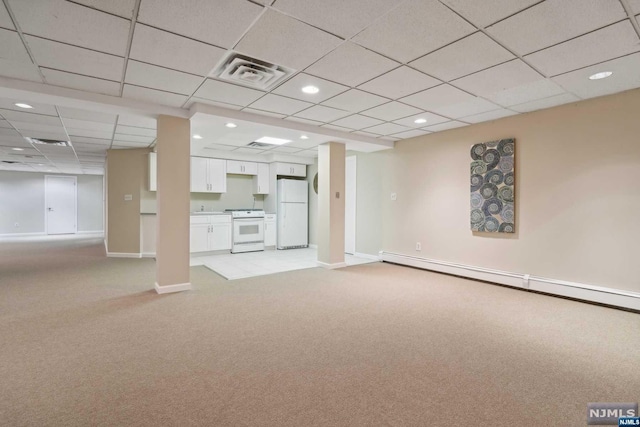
[577, 195]
[330, 222]
[125, 174]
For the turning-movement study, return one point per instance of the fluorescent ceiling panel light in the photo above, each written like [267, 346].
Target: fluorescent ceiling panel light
[304, 137]
[231, 125]
[197, 137]
[272, 141]
[22, 105]
[18, 149]
[602, 75]
[420, 121]
[310, 89]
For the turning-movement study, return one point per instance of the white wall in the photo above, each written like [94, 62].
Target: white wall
[22, 202]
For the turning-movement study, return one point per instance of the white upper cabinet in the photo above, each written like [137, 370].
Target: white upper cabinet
[291, 169]
[208, 175]
[261, 180]
[242, 168]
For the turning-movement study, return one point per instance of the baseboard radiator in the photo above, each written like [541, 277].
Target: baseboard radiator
[581, 291]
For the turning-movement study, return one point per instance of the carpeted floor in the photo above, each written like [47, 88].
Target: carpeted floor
[85, 341]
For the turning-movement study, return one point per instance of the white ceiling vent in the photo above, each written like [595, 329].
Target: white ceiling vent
[251, 72]
[259, 144]
[53, 142]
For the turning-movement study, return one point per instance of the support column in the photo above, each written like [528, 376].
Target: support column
[173, 200]
[331, 177]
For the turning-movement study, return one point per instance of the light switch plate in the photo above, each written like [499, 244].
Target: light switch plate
[394, 196]
[128, 197]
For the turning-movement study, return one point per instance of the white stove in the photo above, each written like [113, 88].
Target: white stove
[248, 230]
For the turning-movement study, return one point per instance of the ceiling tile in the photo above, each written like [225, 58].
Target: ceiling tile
[85, 124]
[626, 75]
[8, 104]
[400, 82]
[351, 65]
[387, 129]
[172, 51]
[286, 41]
[322, 113]
[431, 119]
[151, 95]
[436, 97]
[305, 121]
[247, 150]
[132, 130]
[525, 93]
[4, 123]
[344, 18]
[88, 141]
[195, 99]
[483, 13]
[32, 125]
[475, 106]
[75, 60]
[228, 93]
[220, 22]
[77, 81]
[554, 21]
[478, 50]
[264, 113]
[285, 149]
[45, 135]
[73, 24]
[540, 104]
[391, 111]
[504, 76]
[122, 8]
[611, 42]
[334, 127]
[445, 126]
[5, 19]
[412, 29]
[90, 133]
[489, 115]
[23, 116]
[355, 100]
[19, 70]
[154, 77]
[91, 116]
[6, 133]
[360, 132]
[293, 88]
[410, 133]
[134, 138]
[357, 122]
[635, 5]
[137, 121]
[280, 104]
[12, 48]
[129, 144]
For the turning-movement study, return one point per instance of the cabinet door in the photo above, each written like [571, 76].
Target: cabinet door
[291, 169]
[299, 170]
[199, 175]
[199, 237]
[217, 176]
[220, 237]
[153, 172]
[269, 233]
[242, 168]
[261, 181]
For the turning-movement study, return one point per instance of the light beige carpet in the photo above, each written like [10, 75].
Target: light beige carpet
[84, 341]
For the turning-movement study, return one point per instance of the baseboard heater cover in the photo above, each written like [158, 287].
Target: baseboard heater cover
[581, 291]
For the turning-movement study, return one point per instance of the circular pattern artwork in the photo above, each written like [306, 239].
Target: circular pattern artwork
[493, 186]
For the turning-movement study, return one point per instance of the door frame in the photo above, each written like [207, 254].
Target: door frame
[46, 201]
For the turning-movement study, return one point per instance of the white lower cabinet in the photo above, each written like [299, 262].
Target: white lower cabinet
[210, 233]
[270, 230]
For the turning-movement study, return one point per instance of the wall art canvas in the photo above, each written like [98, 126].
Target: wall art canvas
[493, 186]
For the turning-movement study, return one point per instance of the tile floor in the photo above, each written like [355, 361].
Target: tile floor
[249, 264]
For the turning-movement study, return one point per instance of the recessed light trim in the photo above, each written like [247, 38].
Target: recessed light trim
[231, 125]
[22, 105]
[196, 136]
[272, 141]
[420, 120]
[600, 75]
[304, 137]
[310, 89]
[17, 149]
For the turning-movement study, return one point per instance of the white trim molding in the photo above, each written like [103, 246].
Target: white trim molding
[331, 266]
[313, 246]
[148, 255]
[366, 256]
[11, 235]
[581, 291]
[179, 287]
[123, 255]
[91, 232]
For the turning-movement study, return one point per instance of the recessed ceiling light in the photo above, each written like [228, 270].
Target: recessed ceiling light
[231, 125]
[310, 89]
[22, 105]
[420, 120]
[197, 137]
[273, 141]
[18, 149]
[602, 75]
[304, 137]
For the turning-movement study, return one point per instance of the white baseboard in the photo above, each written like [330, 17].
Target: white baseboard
[180, 287]
[366, 256]
[148, 255]
[22, 234]
[91, 232]
[331, 266]
[582, 291]
[313, 246]
[123, 255]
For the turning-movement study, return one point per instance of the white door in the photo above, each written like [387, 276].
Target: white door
[350, 205]
[199, 175]
[60, 204]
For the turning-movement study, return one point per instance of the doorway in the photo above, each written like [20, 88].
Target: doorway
[350, 205]
[60, 204]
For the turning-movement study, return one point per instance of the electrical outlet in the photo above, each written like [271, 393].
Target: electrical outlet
[394, 196]
[418, 246]
[16, 225]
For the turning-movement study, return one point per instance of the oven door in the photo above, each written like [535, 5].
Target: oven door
[248, 230]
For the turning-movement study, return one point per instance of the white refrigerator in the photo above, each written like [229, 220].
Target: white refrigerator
[293, 214]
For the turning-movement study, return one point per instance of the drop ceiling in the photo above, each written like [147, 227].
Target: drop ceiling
[379, 66]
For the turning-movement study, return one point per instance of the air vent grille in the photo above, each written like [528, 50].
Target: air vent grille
[251, 72]
[49, 142]
[258, 144]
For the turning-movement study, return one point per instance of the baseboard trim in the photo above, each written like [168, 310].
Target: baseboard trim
[180, 287]
[148, 255]
[331, 266]
[366, 256]
[313, 246]
[91, 232]
[123, 255]
[23, 234]
[581, 291]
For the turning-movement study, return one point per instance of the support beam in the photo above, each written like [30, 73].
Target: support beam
[331, 185]
[173, 199]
